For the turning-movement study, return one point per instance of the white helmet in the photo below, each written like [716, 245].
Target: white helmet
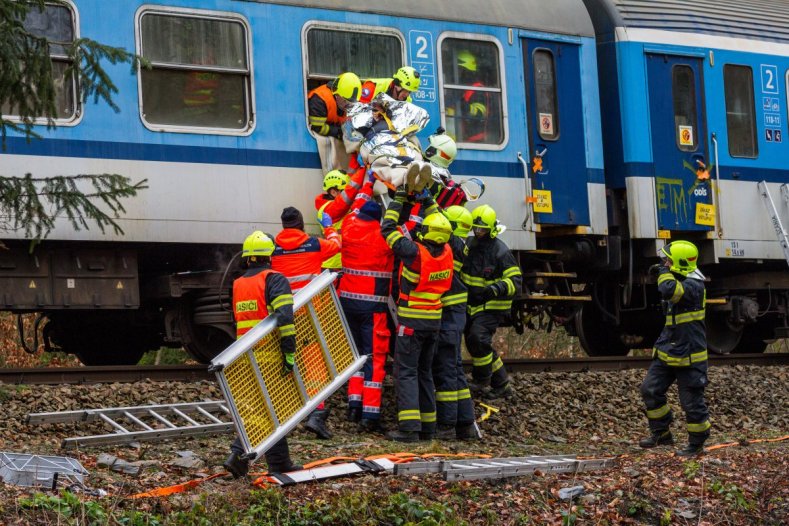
[441, 149]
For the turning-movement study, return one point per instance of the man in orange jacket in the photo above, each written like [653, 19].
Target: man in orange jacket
[299, 257]
[364, 293]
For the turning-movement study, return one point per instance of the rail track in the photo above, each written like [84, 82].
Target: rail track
[192, 373]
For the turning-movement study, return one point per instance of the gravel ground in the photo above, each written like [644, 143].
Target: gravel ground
[589, 414]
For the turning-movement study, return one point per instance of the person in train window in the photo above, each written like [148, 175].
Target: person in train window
[493, 277]
[339, 192]
[261, 292]
[680, 352]
[299, 257]
[404, 82]
[326, 106]
[472, 109]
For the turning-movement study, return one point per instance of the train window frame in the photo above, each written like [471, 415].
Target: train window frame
[78, 112]
[695, 123]
[307, 76]
[502, 89]
[248, 73]
[556, 120]
[753, 125]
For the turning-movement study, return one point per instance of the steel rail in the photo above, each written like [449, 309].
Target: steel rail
[193, 373]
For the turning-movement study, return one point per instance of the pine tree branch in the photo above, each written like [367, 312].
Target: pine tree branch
[33, 204]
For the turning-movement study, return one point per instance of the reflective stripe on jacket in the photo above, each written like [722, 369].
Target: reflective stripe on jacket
[683, 340]
[490, 262]
[368, 263]
[422, 283]
[322, 121]
[457, 295]
[299, 256]
[259, 293]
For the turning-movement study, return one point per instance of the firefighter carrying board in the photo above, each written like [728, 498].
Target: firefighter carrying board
[265, 403]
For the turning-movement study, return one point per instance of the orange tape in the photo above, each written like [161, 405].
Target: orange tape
[747, 442]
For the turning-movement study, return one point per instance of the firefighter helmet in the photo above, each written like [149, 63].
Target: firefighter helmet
[485, 217]
[347, 86]
[257, 244]
[436, 228]
[460, 219]
[407, 78]
[335, 179]
[467, 60]
[441, 150]
[683, 256]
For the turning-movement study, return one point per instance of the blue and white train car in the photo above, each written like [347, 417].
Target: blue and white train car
[218, 128]
[694, 106]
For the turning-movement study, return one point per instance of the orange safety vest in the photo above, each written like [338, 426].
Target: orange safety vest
[249, 301]
[423, 283]
[325, 94]
[367, 262]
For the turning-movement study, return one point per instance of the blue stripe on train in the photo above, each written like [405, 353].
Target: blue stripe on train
[213, 155]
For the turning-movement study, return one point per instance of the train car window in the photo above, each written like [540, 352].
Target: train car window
[545, 86]
[683, 87]
[200, 79]
[56, 23]
[471, 78]
[740, 114]
[334, 51]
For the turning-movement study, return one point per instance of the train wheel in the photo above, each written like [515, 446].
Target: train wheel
[205, 328]
[597, 337]
[722, 336]
[101, 338]
[754, 336]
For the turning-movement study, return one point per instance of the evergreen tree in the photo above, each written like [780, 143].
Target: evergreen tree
[28, 92]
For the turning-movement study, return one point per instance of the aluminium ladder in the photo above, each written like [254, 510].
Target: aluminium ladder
[775, 218]
[475, 469]
[143, 423]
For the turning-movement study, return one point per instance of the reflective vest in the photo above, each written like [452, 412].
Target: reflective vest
[335, 261]
[249, 301]
[372, 87]
[423, 283]
[367, 272]
[325, 94]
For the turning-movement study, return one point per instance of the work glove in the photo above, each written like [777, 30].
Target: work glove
[401, 195]
[424, 195]
[475, 296]
[325, 221]
[371, 176]
[490, 292]
[288, 361]
[654, 270]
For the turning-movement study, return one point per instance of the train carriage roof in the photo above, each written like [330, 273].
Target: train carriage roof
[766, 20]
[566, 17]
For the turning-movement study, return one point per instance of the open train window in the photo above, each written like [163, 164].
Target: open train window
[740, 114]
[200, 79]
[473, 108]
[369, 52]
[56, 23]
[546, 99]
[683, 88]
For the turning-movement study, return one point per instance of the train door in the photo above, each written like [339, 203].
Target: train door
[679, 144]
[556, 132]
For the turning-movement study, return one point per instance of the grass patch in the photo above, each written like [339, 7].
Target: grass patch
[165, 356]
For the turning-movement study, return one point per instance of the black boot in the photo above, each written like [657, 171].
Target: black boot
[691, 450]
[657, 438]
[278, 458]
[316, 423]
[237, 466]
[368, 425]
[426, 437]
[354, 414]
[403, 436]
[468, 432]
[445, 432]
[504, 391]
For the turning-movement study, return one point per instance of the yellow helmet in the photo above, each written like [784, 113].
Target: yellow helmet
[335, 179]
[347, 86]
[467, 60]
[485, 217]
[436, 228]
[460, 219]
[683, 256]
[257, 244]
[407, 78]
